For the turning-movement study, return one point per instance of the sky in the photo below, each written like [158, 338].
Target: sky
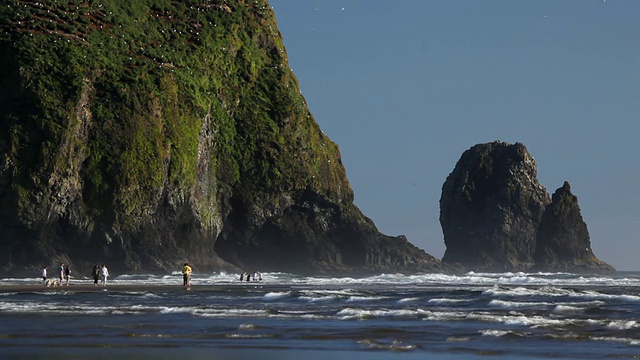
[405, 87]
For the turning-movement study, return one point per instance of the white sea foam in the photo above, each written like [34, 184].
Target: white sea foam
[327, 295]
[468, 279]
[623, 324]
[506, 304]
[441, 315]
[230, 312]
[411, 299]
[395, 345]
[494, 332]
[277, 295]
[628, 341]
[248, 336]
[364, 298]
[356, 313]
[446, 301]
[610, 297]
[318, 298]
[566, 309]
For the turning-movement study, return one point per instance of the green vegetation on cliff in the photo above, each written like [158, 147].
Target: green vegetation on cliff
[146, 131]
[128, 97]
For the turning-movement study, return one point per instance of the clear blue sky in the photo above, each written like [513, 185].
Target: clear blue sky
[405, 87]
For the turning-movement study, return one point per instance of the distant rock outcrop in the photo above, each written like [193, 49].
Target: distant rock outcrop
[563, 242]
[490, 208]
[496, 216]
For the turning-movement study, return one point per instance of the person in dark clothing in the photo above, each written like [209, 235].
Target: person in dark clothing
[96, 274]
[67, 274]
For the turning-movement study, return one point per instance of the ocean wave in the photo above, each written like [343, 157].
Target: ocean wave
[277, 295]
[356, 313]
[469, 279]
[395, 345]
[447, 301]
[365, 298]
[248, 327]
[567, 309]
[504, 333]
[318, 298]
[623, 324]
[624, 340]
[518, 304]
[410, 299]
[442, 315]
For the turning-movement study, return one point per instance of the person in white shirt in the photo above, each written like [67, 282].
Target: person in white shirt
[104, 273]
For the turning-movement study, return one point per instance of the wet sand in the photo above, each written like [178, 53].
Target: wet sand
[89, 287]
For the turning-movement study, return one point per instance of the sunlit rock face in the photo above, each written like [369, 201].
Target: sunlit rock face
[490, 208]
[563, 242]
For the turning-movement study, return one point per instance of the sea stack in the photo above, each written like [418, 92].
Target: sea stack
[490, 208]
[563, 242]
[496, 216]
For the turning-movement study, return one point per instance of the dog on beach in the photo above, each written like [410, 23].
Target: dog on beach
[51, 283]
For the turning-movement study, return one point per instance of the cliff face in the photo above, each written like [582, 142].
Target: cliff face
[148, 133]
[563, 242]
[490, 208]
[495, 216]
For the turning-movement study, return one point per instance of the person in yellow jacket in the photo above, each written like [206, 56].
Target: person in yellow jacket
[186, 275]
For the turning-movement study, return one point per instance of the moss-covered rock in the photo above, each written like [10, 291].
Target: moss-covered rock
[145, 133]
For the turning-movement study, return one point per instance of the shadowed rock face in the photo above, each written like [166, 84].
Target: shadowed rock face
[490, 208]
[144, 134]
[563, 242]
[495, 216]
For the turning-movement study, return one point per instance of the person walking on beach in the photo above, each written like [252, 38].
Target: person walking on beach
[186, 275]
[96, 274]
[44, 276]
[104, 273]
[67, 274]
[61, 276]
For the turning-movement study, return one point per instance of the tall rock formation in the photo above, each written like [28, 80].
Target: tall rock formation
[563, 242]
[146, 133]
[495, 216]
[490, 208]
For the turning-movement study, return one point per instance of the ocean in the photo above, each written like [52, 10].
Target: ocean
[284, 316]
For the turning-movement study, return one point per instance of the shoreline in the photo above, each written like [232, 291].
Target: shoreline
[90, 288]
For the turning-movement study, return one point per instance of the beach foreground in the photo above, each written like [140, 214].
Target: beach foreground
[389, 316]
[89, 288]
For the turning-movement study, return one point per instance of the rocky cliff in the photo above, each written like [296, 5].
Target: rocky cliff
[146, 133]
[563, 242]
[490, 208]
[496, 216]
